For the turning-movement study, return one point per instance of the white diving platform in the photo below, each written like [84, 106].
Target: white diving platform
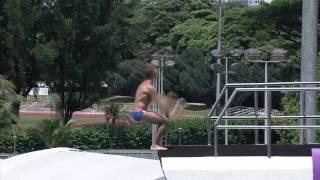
[238, 168]
[71, 164]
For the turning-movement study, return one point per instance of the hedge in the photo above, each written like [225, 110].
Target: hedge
[194, 132]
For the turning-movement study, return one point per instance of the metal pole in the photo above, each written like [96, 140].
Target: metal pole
[179, 134]
[265, 99]
[209, 131]
[51, 103]
[309, 53]
[219, 48]
[14, 140]
[154, 109]
[162, 94]
[269, 122]
[209, 120]
[256, 131]
[226, 141]
[224, 109]
[161, 77]
[304, 119]
[215, 132]
[215, 129]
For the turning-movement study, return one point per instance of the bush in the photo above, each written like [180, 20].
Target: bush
[25, 142]
[100, 137]
[92, 137]
[194, 132]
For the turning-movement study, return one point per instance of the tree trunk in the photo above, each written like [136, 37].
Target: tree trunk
[67, 115]
[15, 109]
[309, 59]
[59, 108]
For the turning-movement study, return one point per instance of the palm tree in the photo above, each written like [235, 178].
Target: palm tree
[113, 112]
[54, 133]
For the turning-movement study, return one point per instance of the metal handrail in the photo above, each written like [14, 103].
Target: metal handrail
[269, 126]
[260, 89]
[264, 117]
[272, 84]
[256, 84]
[225, 88]
[266, 127]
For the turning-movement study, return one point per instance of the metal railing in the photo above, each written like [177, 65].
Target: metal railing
[254, 87]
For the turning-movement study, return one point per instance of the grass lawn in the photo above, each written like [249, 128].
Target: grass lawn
[196, 114]
[26, 123]
[29, 122]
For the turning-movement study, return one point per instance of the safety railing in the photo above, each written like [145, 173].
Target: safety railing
[254, 87]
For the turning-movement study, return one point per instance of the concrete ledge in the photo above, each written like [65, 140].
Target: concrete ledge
[139, 153]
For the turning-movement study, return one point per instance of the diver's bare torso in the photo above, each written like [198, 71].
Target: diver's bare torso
[143, 96]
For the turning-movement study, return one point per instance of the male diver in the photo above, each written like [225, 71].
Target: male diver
[145, 94]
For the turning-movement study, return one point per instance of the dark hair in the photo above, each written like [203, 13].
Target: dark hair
[149, 70]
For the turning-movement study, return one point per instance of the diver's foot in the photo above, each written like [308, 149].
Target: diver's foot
[158, 148]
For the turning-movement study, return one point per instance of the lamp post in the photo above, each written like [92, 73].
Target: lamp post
[255, 56]
[219, 68]
[160, 59]
[219, 47]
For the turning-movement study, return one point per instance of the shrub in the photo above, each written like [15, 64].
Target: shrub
[53, 133]
[194, 132]
[25, 142]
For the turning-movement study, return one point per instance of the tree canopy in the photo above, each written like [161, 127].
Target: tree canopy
[88, 50]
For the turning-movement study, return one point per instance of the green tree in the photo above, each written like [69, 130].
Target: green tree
[53, 133]
[156, 19]
[91, 38]
[194, 77]
[7, 97]
[192, 33]
[20, 35]
[275, 25]
[127, 77]
[114, 112]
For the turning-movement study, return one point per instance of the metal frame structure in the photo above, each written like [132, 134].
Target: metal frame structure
[267, 88]
[160, 60]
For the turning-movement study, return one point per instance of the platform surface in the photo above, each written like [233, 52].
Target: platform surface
[71, 164]
[237, 168]
[238, 150]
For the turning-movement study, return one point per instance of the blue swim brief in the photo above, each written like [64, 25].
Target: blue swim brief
[137, 116]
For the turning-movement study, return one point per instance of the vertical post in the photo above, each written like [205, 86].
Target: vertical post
[209, 131]
[161, 77]
[303, 132]
[226, 141]
[269, 122]
[154, 109]
[219, 48]
[157, 85]
[215, 132]
[309, 53]
[256, 131]
[265, 100]
[179, 135]
[51, 103]
[14, 142]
